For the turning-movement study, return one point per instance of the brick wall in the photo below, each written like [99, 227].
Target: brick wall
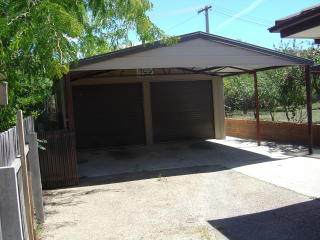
[273, 131]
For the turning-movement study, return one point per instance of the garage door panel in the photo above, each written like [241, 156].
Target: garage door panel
[182, 110]
[108, 115]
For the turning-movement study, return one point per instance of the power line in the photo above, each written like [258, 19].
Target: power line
[183, 22]
[229, 13]
[250, 17]
[243, 19]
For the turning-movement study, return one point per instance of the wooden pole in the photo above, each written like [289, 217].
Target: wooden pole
[69, 102]
[147, 112]
[3, 93]
[256, 94]
[309, 107]
[62, 83]
[25, 179]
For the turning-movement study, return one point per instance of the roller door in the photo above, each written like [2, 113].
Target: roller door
[108, 115]
[182, 110]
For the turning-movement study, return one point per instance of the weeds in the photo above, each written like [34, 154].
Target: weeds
[160, 178]
[204, 232]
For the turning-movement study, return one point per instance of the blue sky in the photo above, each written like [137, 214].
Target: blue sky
[254, 17]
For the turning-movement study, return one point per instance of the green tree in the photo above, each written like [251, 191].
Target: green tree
[313, 53]
[39, 38]
[269, 91]
[291, 80]
[239, 93]
[279, 89]
[292, 94]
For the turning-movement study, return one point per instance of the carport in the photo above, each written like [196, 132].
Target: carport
[157, 93]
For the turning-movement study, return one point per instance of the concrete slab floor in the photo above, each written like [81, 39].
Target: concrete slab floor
[291, 167]
[284, 165]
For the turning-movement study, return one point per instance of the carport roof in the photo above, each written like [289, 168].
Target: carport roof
[196, 52]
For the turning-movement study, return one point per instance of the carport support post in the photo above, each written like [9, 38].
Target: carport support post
[69, 102]
[147, 112]
[256, 94]
[309, 107]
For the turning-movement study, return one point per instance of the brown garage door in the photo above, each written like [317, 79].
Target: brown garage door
[182, 110]
[108, 115]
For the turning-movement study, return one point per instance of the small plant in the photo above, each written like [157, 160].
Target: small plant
[161, 178]
[41, 143]
[203, 231]
[38, 229]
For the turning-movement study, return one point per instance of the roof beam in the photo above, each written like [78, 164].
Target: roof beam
[90, 74]
[218, 70]
[242, 69]
[196, 71]
[207, 69]
[257, 70]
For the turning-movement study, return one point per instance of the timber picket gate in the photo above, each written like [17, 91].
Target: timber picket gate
[20, 183]
[58, 162]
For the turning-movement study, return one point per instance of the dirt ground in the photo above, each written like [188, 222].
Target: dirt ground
[189, 202]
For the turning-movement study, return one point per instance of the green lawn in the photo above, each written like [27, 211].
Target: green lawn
[279, 115]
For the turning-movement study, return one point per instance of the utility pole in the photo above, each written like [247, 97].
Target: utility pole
[206, 10]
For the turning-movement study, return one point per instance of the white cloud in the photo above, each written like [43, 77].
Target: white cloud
[252, 6]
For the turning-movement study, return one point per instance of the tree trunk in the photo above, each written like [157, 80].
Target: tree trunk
[272, 116]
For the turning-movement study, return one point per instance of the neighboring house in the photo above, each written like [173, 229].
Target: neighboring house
[156, 93]
[304, 24]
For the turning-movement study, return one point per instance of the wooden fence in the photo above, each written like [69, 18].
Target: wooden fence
[9, 146]
[20, 181]
[273, 131]
[58, 162]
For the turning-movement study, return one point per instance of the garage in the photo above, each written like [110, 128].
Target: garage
[117, 102]
[182, 110]
[108, 115]
[157, 92]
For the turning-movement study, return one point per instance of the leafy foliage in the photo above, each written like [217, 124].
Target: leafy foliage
[282, 88]
[269, 91]
[239, 93]
[39, 38]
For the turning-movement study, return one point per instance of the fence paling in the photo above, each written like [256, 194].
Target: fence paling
[9, 147]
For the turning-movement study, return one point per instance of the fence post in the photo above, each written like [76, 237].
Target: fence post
[24, 169]
[0, 230]
[34, 168]
[11, 222]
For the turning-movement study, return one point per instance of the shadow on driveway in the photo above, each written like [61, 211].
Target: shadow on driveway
[182, 155]
[134, 176]
[293, 222]
[111, 165]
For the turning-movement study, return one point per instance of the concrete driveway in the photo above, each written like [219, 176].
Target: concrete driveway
[193, 190]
